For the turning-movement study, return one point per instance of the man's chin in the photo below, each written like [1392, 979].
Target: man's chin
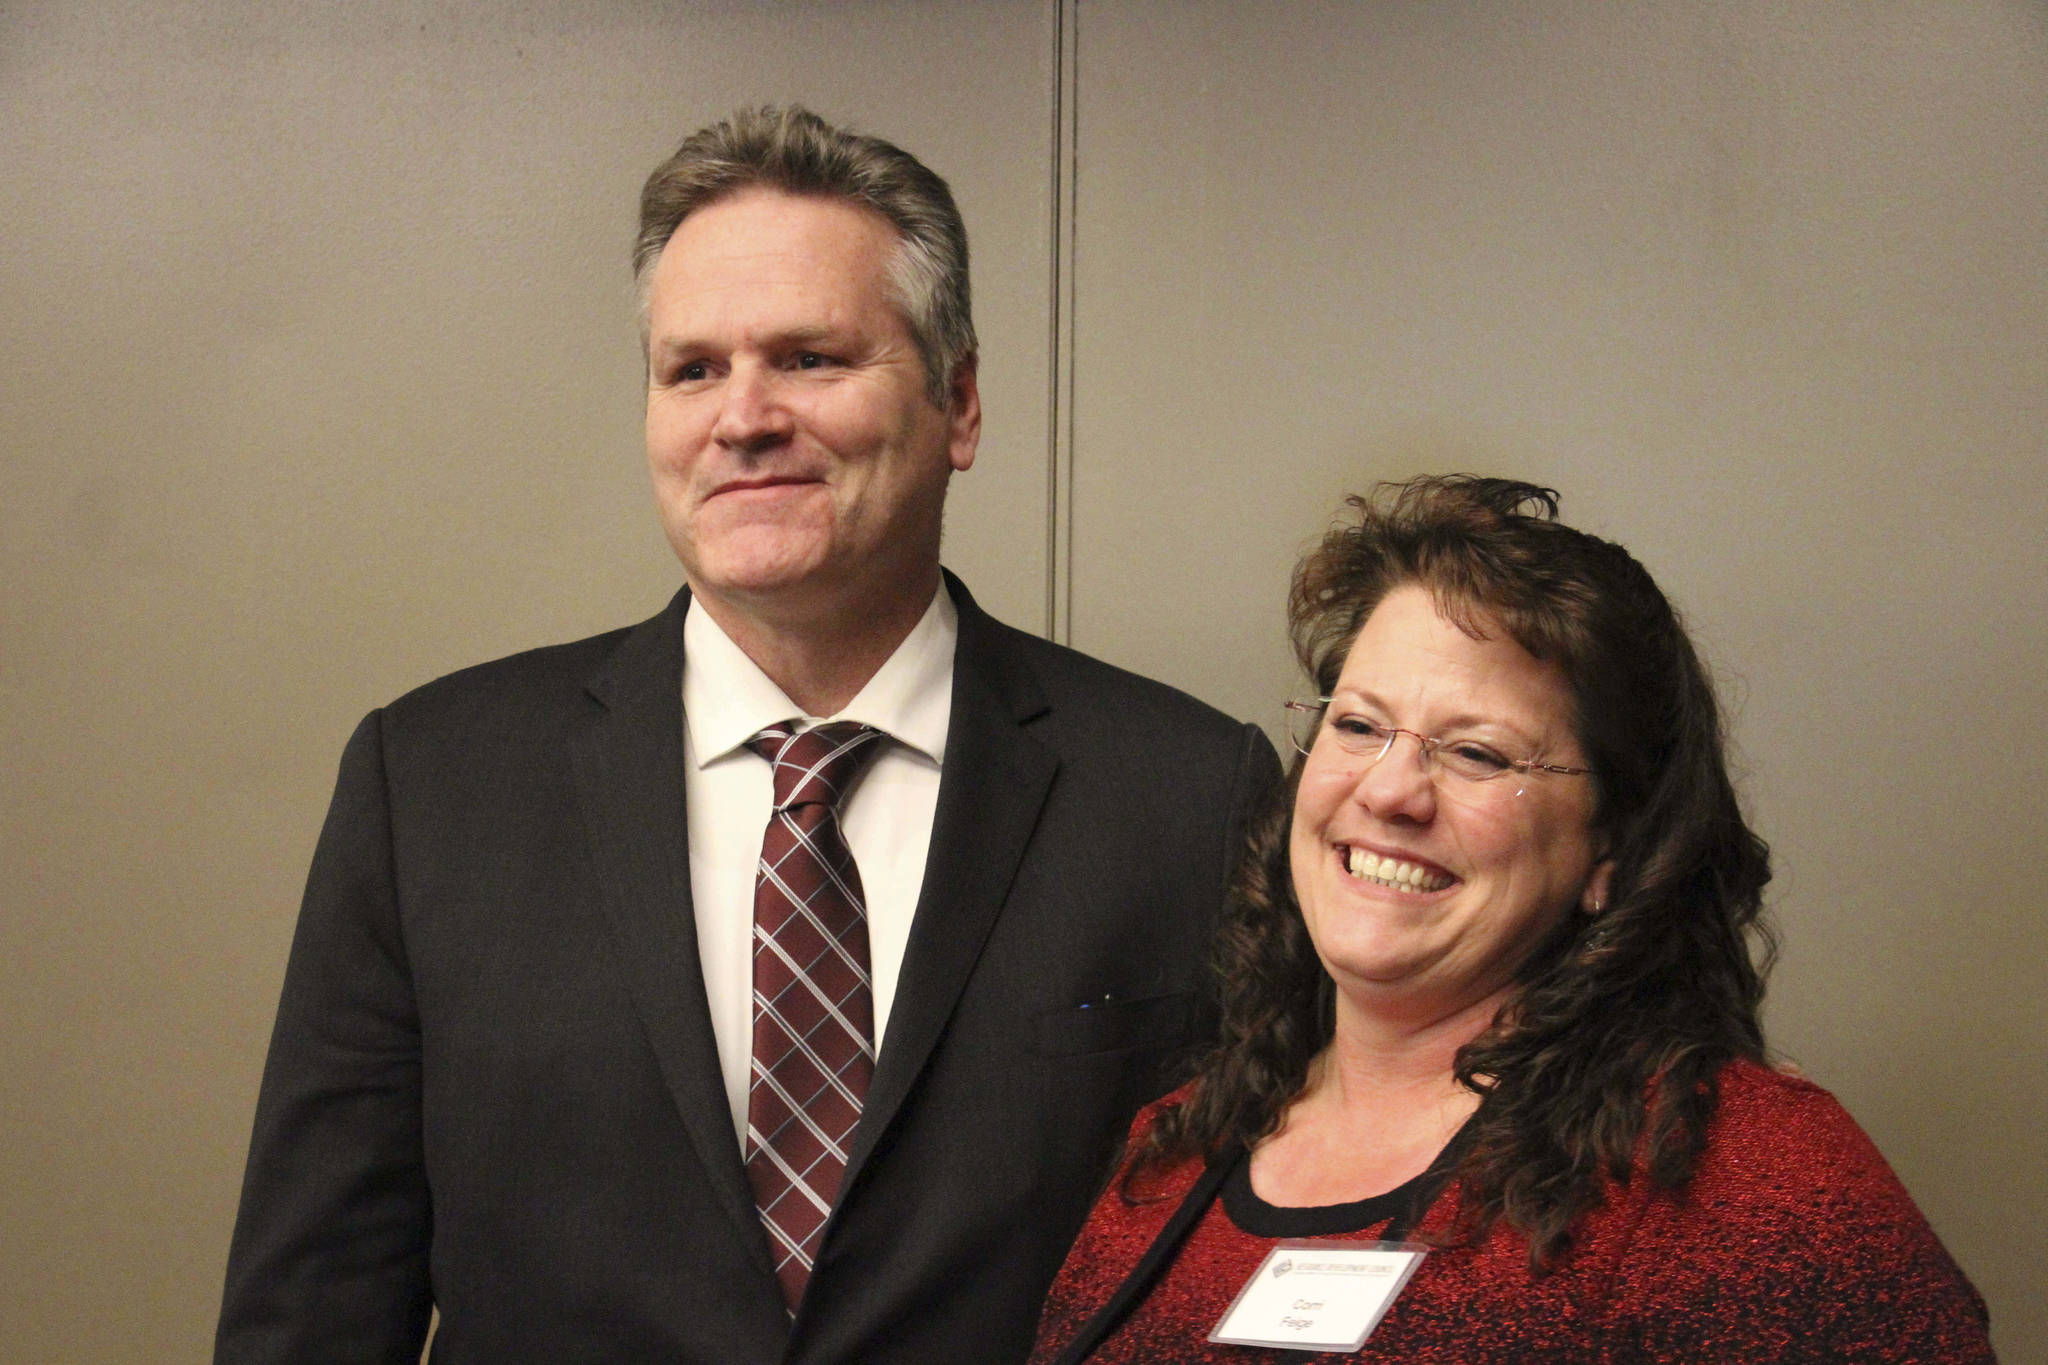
[741, 556]
[759, 583]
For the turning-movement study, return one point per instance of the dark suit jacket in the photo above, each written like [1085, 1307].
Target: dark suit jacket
[493, 1088]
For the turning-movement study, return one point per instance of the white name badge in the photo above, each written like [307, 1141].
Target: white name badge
[1318, 1296]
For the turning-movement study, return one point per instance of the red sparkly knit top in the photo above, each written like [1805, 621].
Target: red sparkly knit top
[1793, 1242]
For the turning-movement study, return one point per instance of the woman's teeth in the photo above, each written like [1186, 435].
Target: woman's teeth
[1397, 873]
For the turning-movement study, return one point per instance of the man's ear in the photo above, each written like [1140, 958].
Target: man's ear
[963, 412]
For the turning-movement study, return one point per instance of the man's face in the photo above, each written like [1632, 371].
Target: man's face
[799, 464]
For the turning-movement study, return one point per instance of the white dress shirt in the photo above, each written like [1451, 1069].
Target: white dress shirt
[886, 816]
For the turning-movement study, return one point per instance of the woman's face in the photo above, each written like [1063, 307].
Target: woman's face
[1424, 892]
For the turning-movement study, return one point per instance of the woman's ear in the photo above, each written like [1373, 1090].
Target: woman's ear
[1593, 898]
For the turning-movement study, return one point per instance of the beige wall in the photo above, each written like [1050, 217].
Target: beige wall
[317, 378]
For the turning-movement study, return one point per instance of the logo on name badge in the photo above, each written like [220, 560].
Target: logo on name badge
[1281, 1267]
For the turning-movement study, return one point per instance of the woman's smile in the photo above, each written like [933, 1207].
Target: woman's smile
[1392, 871]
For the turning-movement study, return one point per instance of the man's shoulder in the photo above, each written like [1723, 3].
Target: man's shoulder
[1072, 679]
[552, 680]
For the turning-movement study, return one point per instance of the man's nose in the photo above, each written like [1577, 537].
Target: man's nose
[751, 412]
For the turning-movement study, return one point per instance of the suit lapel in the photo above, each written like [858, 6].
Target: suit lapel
[629, 781]
[993, 785]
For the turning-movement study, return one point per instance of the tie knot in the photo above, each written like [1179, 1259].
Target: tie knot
[818, 765]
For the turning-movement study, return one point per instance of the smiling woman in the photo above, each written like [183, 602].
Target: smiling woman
[1490, 983]
[1482, 870]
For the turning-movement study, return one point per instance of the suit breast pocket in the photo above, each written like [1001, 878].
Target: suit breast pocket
[1115, 1025]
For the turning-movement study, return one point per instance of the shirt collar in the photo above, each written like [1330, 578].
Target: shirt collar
[727, 699]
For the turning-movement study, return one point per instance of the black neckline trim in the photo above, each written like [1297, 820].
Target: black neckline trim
[1255, 1216]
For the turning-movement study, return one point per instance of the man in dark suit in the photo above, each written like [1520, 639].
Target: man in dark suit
[519, 1069]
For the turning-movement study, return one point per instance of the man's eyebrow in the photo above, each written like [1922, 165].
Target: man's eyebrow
[673, 345]
[800, 335]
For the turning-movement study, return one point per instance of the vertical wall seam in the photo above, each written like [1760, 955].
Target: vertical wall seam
[1059, 504]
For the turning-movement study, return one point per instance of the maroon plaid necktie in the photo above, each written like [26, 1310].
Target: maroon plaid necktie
[814, 1017]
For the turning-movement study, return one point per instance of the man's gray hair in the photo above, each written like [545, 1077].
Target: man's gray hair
[794, 151]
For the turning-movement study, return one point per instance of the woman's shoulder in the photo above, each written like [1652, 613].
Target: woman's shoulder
[1773, 1124]
[1161, 1181]
[1754, 1092]
[1795, 1222]
[1142, 1123]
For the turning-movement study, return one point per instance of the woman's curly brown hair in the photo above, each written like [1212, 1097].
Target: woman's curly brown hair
[1621, 1021]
